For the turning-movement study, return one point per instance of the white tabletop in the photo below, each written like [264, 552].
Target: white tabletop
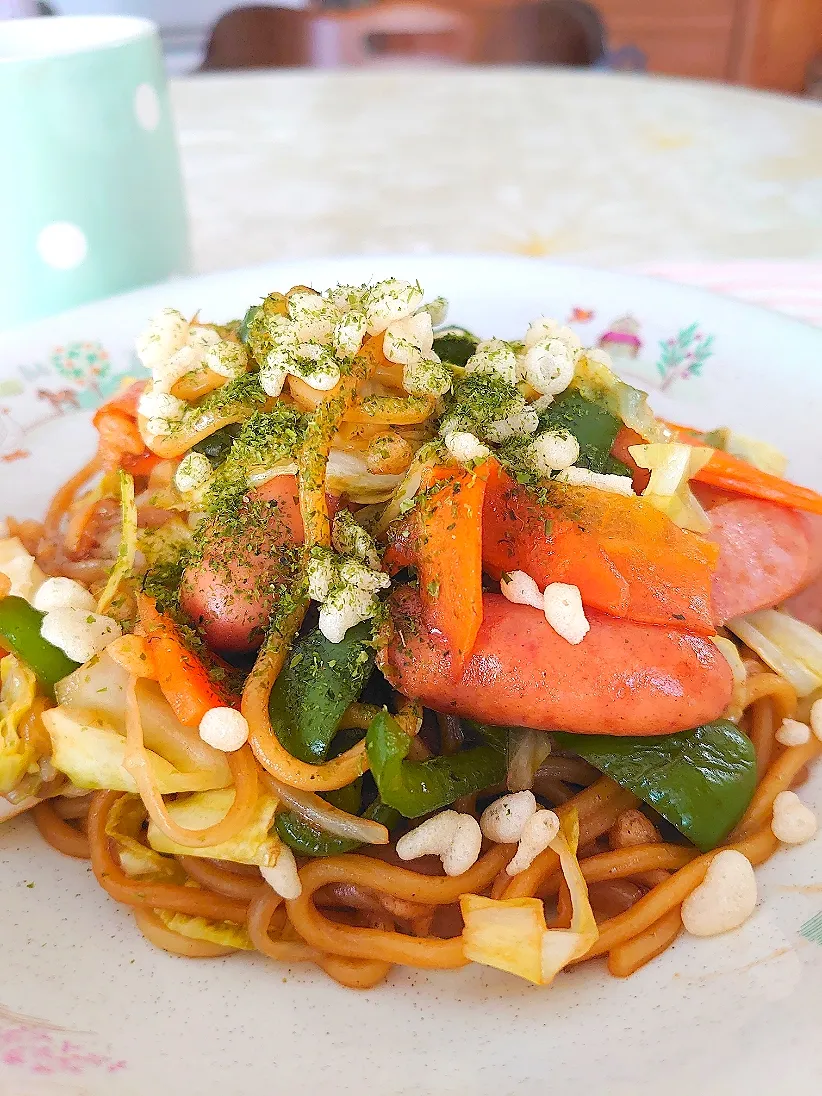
[587, 166]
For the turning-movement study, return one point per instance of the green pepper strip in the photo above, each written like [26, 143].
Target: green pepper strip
[316, 685]
[592, 424]
[307, 840]
[20, 633]
[419, 787]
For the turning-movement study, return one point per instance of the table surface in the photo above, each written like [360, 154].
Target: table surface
[594, 167]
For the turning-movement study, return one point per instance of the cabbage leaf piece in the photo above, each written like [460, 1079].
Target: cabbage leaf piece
[201, 928]
[18, 687]
[90, 751]
[257, 843]
[511, 934]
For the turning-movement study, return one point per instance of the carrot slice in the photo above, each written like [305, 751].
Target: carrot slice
[449, 563]
[180, 673]
[738, 476]
[520, 533]
[626, 557]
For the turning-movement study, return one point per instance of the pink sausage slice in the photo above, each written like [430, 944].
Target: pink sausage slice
[623, 679]
[807, 604]
[764, 556]
[228, 594]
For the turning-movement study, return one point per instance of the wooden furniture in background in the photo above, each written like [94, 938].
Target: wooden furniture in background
[387, 32]
[259, 37]
[761, 43]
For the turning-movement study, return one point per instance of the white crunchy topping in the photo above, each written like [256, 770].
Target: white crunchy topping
[350, 539]
[226, 359]
[504, 820]
[792, 822]
[164, 336]
[20, 568]
[725, 899]
[552, 451]
[539, 405]
[193, 472]
[348, 334]
[390, 300]
[465, 447]
[427, 376]
[437, 310]
[225, 729]
[455, 838]
[816, 718]
[548, 366]
[283, 878]
[544, 328]
[63, 593]
[406, 340]
[793, 733]
[521, 589]
[321, 572]
[79, 633]
[604, 481]
[563, 611]
[161, 410]
[519, 423]
[344, 587]
[494, 356]
[313, 317]
[537, 834]
[170, 347]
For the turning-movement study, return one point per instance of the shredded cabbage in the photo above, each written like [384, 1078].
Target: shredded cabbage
[761, 454]
[91, 751]
[789, 646]
[254, 844]
[200, 928]
[128, 543]
[124, 826]
[18, 687]
[20, 568]
[732, 656]
[672, 465]
[99, 687]
[163, 545]
[526, 752]
[511, 934]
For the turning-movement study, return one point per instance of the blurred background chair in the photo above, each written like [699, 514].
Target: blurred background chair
[562, 32]
[389, 33]
[259, 37]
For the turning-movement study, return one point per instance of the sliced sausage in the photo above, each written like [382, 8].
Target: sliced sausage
[230, 592]
[807, 604]
[764, 556]
[623, 679]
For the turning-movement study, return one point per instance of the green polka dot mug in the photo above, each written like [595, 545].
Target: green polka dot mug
[91, 198]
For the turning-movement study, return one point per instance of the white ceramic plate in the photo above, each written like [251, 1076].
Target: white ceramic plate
[87, 1006]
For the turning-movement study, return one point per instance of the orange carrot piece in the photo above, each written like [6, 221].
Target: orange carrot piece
[627, 558]
[742, 478]
[450, 556]
[181, 674]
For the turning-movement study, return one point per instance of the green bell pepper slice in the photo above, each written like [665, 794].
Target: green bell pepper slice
[419, 787]
[317, 683]
[592, 424]
[701, 781]
[20, 627]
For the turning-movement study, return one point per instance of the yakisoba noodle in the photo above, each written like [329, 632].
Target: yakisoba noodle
[344, 803]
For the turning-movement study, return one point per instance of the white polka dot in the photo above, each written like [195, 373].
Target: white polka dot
[62, 245]
[147, 106]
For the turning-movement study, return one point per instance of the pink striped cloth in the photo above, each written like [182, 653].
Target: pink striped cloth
[794, 288]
